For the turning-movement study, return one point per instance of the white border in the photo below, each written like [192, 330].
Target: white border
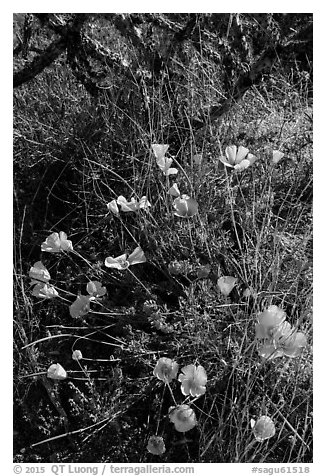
[319, 201]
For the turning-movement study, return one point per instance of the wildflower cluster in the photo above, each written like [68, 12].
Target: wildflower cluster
[132, 206]
[278, 337]
[40, 278]
[275, 335]
[184, 206]
[193, 383]
[163, 162]
[57, 243]
[193, 380]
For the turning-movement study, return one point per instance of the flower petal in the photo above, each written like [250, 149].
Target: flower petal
[264, 428]
[62, 236]
[268, 322]
[283, 331]
[277, 156]
[44, 291]
[66, 245]
[116, 263]
[231, 153]
[171, 171]
[51, 244]
[226, 284]
[186, 386]
[137, 256]
[269, 351]
[164, 163]
[174, 190]
[144, 203]
[293, 345]
[244, 164]
[77, 355]
[241, 154]
[166, 369]
[159, 150]
[183, 417]
[127, 206]
[252, 158]
[225, 161]
[185, 206]
[95, 288]
[113, 207]
[156, 445]
[121, 200]
[38, 272]
[80, 307]
[193, 380]
[56, 372]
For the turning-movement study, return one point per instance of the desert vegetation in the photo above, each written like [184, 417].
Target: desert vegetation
[163, 238]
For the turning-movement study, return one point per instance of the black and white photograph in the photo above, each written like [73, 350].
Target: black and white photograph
[162, 241]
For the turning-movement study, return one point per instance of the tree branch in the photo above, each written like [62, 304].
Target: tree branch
[262, 66]
[52, 52]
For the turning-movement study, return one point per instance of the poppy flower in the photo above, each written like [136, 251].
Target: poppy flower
[270, 351]
[185, 206]
[45, 291]
[56, 372]
[277, 156]
[95, 289]
[164, 164]
[80, 307]
[226, 284]
[183, 417]
[143, 203]
[237, 158]
[247, 162]
[77, 355]
[136, 257]
[38, 272]
[269, 321]
[121, 262]
[166, 369]
[293, 345]
[174, 190]
[159, 150]
[289, 344]
[113, 207]
[193, 380]
[263, 428]
[133, 205]
[156, 445]
[126, 206]
[283, 331]
[57, 242]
